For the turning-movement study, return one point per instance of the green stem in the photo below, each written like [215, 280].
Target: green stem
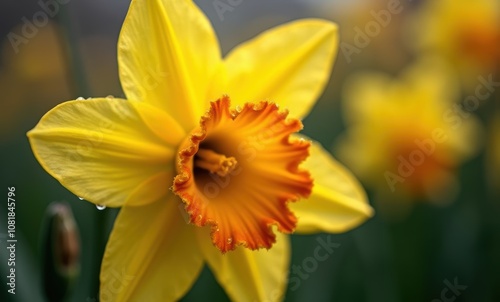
[374, 245]
[70, 45]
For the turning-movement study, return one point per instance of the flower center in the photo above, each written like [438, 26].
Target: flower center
[214, 162]
[481, 42]
[418, 158]
[238, 171]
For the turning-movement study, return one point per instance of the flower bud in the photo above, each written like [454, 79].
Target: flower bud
[61, 251]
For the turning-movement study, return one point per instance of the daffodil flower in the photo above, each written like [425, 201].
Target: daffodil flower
[465, 33]
[406, 136]
[200, 158]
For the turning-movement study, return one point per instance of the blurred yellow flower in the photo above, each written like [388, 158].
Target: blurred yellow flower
[406, 135]
[235, 171]
[32, 79]
[465, 32]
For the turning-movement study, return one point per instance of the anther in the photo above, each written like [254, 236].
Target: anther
[215, 162]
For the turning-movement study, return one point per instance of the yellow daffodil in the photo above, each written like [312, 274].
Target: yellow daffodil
[407, 135]
[176, 149]
[465, 32]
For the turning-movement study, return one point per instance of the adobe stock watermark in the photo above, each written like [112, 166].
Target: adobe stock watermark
[451, 291]
[31, 26]
[155, 76]
[454, 116]
[117, 281]
[302, 271]
[309, 265]
[223, 6]
[93, 140]
[94, 137]
[363, 36]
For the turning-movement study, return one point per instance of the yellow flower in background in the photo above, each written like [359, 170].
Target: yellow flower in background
[465, 32]
[31, 80]
[405, 137]
[179, 146]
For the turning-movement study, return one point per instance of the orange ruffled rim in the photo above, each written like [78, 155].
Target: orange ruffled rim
[242, 203]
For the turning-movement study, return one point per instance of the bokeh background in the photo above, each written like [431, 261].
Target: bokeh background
[429, 231]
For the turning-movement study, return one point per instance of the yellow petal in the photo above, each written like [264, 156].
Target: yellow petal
[248, 275]
[289, 65]
[338, 202]
[152, 255]
[167, 56]
[109, 151]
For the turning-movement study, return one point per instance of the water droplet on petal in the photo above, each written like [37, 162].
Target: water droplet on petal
[238, 108]
[229, 240]
[80, 98]
[217, 229]
[100, 207]
[200, 217]
[81, 198]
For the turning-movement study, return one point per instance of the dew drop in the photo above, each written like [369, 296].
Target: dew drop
[217, 229]
[229, 240]
[81, 198]
[100, 207]
[200, 217]
[80, 98]
[238, 108]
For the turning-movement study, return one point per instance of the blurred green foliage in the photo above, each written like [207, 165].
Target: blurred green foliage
[382, 260]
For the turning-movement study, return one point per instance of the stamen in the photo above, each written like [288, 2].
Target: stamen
[214, 162]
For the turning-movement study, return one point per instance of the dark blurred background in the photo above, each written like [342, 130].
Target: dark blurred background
[408, 258]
